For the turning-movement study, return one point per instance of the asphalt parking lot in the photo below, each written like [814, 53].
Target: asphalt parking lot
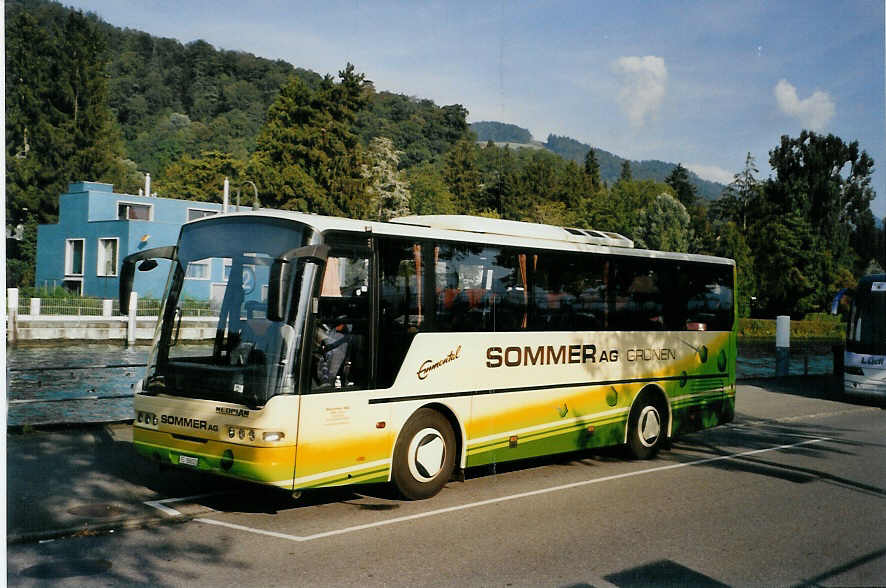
[791, 493]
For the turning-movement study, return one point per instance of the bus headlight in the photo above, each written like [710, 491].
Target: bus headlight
[146, 418]
[253, 435]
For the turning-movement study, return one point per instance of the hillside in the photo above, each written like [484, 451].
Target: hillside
[173, 99]
[610, 164]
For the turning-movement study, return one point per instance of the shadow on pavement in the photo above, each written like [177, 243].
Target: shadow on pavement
[661, 573]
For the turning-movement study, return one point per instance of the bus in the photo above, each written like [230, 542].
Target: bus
[864, 371]
[354, 352]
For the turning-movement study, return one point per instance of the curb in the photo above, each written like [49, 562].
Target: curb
[98, 529]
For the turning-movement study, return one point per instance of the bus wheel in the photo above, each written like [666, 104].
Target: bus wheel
[646, 429]
[424, 455]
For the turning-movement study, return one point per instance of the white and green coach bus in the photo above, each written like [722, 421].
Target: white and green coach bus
[352, 351]
[865, 356]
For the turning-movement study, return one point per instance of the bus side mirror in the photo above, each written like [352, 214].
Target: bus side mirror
[148, 258]
[279, 288]
[282, 277]
[835, 305]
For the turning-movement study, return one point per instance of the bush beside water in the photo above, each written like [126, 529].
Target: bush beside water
[817, 328]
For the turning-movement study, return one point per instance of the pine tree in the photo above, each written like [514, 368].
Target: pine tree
[679, 181]
[592, 170]
[59, 127]
[462, 177]
[626, 174]
[307, 156]
[739, 196]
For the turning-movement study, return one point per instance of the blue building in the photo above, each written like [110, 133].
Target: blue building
[97, 228]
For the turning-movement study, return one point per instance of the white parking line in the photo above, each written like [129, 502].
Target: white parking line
[440, 511]
[168, 510]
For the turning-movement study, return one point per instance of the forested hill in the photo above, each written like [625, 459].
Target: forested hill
[610, 164]
[169, 98]
[173, 99]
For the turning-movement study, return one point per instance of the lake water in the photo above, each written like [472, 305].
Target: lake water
[69, 383]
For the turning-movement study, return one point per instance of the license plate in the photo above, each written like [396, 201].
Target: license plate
[187, 460]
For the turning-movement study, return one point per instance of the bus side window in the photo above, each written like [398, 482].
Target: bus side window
[340, 342]
[402, 308]
[569, 293]
[708, 293]
[638, 297]
[479, 289]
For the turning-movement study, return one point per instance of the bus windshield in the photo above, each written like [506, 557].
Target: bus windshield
[866, 332]
[253, 354]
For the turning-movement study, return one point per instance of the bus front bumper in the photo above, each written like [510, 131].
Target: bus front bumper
[265, 465]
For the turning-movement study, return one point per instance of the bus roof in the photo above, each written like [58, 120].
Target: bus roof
[490, 231]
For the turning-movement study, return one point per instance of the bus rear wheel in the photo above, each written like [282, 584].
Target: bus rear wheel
[647, 428]
[424, 456]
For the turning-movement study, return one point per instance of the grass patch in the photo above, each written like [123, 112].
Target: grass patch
[820, 329]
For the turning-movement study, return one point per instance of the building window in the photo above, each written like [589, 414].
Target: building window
[195, 213]
[74, 286]
[130, 211]
[107, 257]
[74, 257]
[198, 270]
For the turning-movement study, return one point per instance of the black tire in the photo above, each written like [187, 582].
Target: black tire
[647, 428]
[424, 456]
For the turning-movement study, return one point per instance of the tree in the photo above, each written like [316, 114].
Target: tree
[462, 177]
[663, 225]
[787, 259]
[626, 175]
[501, 132]
[202, 178]
[821, 191]
[419, 128]
[498, 168]
[430, 194]
[58, 125]
[619, 211]
[592, 170]
[739, 196]
[388, 190]
[33, 134]
[827, 181]
[550, 213]
[307, 156]
[94, 147]
[679, 181]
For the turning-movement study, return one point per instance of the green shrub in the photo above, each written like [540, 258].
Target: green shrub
[823, 317]
[805, 330]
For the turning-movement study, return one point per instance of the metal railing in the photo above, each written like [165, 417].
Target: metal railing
[95, 307]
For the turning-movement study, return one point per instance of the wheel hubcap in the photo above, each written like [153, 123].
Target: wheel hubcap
[426, 454]
[649, 426]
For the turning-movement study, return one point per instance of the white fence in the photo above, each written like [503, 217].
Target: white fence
[97, 307]
[98, 319]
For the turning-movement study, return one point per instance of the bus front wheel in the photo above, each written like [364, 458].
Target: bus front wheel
[647, 428]
[424, 456]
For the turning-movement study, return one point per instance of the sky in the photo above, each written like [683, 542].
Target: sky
[702, 83]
